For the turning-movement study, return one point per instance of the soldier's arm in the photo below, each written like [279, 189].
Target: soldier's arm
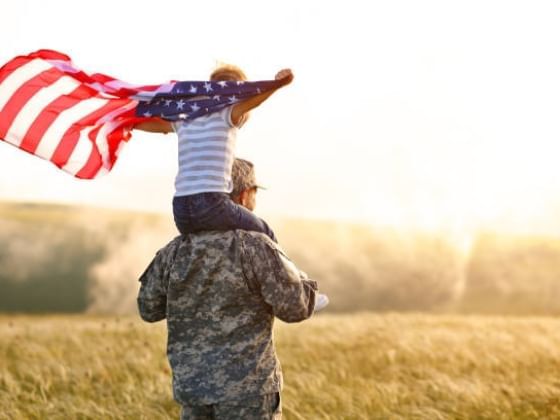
[282, 285]
[152, 297]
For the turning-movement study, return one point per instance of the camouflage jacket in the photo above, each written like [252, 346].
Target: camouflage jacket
[220, 292]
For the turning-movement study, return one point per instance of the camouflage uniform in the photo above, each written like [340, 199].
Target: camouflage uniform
[220, 292]
[265, 406]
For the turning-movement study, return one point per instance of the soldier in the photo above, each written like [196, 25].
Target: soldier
[220, 292]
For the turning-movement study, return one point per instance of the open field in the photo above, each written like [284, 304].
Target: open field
[340, 365]
[360, 366]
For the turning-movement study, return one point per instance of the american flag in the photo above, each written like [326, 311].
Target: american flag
[79, 122]
[190, 100]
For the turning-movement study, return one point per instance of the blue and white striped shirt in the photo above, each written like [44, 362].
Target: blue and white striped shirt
[206, 153]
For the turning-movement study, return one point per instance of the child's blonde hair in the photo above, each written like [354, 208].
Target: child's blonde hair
[226, 71]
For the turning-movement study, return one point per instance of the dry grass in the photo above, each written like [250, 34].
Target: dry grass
[363, 366]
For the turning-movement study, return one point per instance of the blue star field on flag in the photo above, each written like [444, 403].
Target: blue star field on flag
[190, 100]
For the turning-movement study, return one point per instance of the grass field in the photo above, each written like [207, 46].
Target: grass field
[362, 366]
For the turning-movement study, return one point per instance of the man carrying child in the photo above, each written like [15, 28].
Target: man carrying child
[220, 292]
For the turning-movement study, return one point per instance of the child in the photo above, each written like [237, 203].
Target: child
[206, 153]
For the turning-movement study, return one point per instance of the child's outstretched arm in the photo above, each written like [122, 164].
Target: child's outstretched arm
[155, 125]
[285, 76]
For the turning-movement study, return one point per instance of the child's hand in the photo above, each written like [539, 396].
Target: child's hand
[285, 76]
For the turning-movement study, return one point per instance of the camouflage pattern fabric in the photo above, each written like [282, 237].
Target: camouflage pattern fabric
[263, 407]
[220, 293]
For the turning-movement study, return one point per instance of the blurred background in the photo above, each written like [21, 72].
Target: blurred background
[57, 258]
[411, 166]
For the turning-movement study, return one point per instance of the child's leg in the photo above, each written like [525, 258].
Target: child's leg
[215, 211]
[189, 211]
[235, 216]
[181, 212]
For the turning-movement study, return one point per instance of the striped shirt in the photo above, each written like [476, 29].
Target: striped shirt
[206, 153]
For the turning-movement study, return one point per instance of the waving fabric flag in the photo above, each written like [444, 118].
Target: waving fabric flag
[79, 122]
[190, 100]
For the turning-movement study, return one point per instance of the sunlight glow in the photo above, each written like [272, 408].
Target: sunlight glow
[431, 115]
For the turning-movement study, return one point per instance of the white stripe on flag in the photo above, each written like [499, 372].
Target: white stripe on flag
[102, 171]
[35, 105]
[81, 153]
[54, 134]
[107, 128]
[101, 143]
[19, 76]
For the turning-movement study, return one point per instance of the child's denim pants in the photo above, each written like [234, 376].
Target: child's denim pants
[215, 211]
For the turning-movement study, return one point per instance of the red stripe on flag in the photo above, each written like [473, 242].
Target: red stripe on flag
[50, 113]
[95, 160]
[114, 140]
[70, 139]
[23, 94]
[118, 113]
[102, 78]
[11, 66]
[49, 55]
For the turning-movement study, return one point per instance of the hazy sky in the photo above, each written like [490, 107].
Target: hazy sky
[432, 114]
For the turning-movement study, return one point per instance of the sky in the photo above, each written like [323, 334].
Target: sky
[431, 115]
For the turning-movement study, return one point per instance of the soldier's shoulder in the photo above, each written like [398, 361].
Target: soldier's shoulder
[255, 238]
[249, 240]
[256, 241]
[210, 238]
[206, 241]
[172, 245]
